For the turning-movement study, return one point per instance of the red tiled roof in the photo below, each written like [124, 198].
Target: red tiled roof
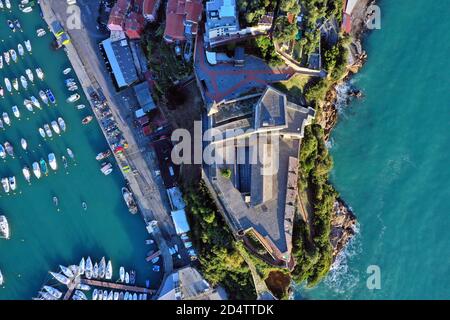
[177, 12]
[194, 11]
[134, 25]
[174, 26]
[118, 12]
[149, 6]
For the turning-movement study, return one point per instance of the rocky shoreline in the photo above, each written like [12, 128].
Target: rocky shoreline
[344, 221]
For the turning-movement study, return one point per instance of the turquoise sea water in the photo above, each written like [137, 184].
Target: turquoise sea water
[41, 237]
[391, 153]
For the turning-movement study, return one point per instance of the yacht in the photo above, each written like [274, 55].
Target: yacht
[13, 54]
[52, 161]
[8, 85]
[95, 272]
[20, 49]
[62, 124]
[101, 268]
[54, 292]
[73, 98]
[28, 104]
[30, 75]
[40, 73]
[7, 57]
[55, 127]
[43, 97]
[5, 184]
[67, 71]
[24, 82]
[9, 148]
[35, 102]
[36, 170]
[82, 265]
[24, 144]
[122, 274]
[47, 130]
[15, 84]
[109, 270]
[2, 152]
[4, 229]
[60, 277]
[12, 183]
[16, 111]
[28, 45]
[42, 132]
[88, 268]
[26, 174]
[67, 272]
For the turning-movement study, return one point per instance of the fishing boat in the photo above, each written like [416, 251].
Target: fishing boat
[103, 155]
[129, 200]
[24, 144]
[8, 85]
[44, 168]
[28, 45]
[88, 269]
[50, 96]
[18, 25]
[7, 57]
[11, 25]
[30, 75]
[24, 82]
[64, 160]
[16, 111]
[1, 62]
[102, 268]
[26, 174]
[52, 161]
[55, 127]
[42, 132]
[54, 292]
[95, 272]
[40, 73]
[13, 54]
[80, 294]
[116, 296]
[73, 88]
[67, 272]
[5, 184]
[109, 270]
[6, 119]
[81, 266]
[127, 278]
[2, 152]
[80, 106]
[60, 277]
[70, 153]
[15, 84]
[20, 49]
[41, 32]
[12, 183]
[67, 71]
[43, 97]
[9, 148]
[48, 131]
[86, 120]
[4, 229]
[73, 98]
[8, 4]
[62, 124]
[36, 170]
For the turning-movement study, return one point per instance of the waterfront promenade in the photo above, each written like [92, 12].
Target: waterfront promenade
[150, 194]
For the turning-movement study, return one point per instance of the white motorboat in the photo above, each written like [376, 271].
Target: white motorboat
[41, 32]
[95, 272]
[80, 106]
[52, 161]
[43, 295]
[110, 295]
[4, 229]
[24, 144]
[40, 73]
[81, 266]
[42, 132]
[55, 127]
[73, 88]
[24, 82]
[126, 296]
[109, 270]
[36, 170]
[43, 97]
[5, 184]
[127, 277]
[1, 62]
[48, 131]
[70, 153]
[9, 149]
[35, 102]
[105, 295]
[116, 296]
[6, 119]
[53, 291]
[80, 294]
[67, 71]
[95, 294]
[102, 268]
[62, 124]
[2, 6]
[8, 85]
[12, 183]
[84, 287]
[28, 104]
[15, 84]
[20, 49]
[2, 152]
[122, 274]
[30, 75]
[100, 294]
[60, 277]
[13, 54]
[73, 97]
[26, 174]
[28, 45]
[88, 268]
[16, 111]
[7, 57]
[8, 4]
[135, 297]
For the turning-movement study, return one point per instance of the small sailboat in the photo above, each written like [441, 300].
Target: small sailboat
[7, 57]
[73, 97]
[24, 82]
[9, 148]
[5, 184]
[16, 111]
[43, 165]
[6, 119]
[122, 274]
[42, 132]
[67, 71]
[20, 49]
[67, 272]
[81, 266]
[12, 183]
[70, 153]
[80, 106]
[8, 85]
[55, 127]
[15, 84]
[95, 294]
[35, 102]
[40, 73]
[28, 104]
[54, 292]
[2, 152]
[52, 161]
[109, 270]
[60, 277]
[48, 131]
[26, 174]
[102, 268]
[28, 45]
[127, 277]
[24, 144]
[36, 170]
[50, 96]
[86, 120]
[30, 75]
[95, 273]
[89, 268]
[64, 160]
[62, 124]
[13, 54]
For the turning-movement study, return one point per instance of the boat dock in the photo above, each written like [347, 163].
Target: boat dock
[116, 286]
[154, 255]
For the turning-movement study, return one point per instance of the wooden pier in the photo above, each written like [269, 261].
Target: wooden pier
[153, 256]
[116, 286]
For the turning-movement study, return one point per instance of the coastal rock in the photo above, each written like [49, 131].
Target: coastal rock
[343, 224]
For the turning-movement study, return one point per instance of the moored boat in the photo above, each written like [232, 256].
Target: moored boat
[2, 152]
[53, 291]
[6, 118]
[87, 120]
[16, 111]
[1, 62]
[9, 148]
[60, 277]
[116, 296]
[43, 165]
[50, 96]
[5, 184]
[73, 88]
[11, 25]
[80, 294]
[28, 45]
[13, 54]
[52, 161]
[81, 266]
[28, 104]
[24, 82]
[36, 170]
[64, 160]
[8, 4]
[30, 75]
[8, 85]
[67, 71]
[122, 274]
[48, 131]
[26, 174]
[42, 132]
[24, 144]
[89, 268]
[20, 49]
[80, 106]
[129, 200]
[41, 32]
[55, 127]
[95, 271]
[110, 295]
[40, 73]
[67, 272]
[95, 294]
[109, 270]
[70, 153]
[43, 97]
[84, 287]
[15, 84]
[35, 102]
[127, 278]
[12, 183]
[2, 6]
[7, 57]
[62, 124]
[103, 155]
[4, 229]
[102, 268]
[74, 97]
